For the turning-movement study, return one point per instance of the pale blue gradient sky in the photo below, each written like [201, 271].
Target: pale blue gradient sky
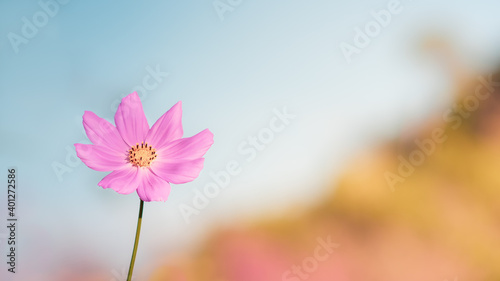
[230, 76]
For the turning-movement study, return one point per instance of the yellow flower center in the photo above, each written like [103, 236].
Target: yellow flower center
[141, 155]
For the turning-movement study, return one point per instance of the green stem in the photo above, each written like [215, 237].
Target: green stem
[137, 233]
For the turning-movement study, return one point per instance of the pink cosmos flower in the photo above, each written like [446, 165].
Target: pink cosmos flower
[142, 159]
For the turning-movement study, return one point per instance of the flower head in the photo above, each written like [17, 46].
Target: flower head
[142, 159]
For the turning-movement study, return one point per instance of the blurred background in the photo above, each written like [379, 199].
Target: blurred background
[363, 137]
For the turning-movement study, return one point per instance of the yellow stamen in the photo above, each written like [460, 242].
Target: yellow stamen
[141, 156]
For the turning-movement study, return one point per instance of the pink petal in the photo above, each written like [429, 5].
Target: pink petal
[101, 132]
[179, 172]
[187, 148]
[124, 181]
[100, 158]
[167, 128]
[131, 121]
[152, 188]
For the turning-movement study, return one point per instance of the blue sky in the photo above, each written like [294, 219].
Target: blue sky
[231, 75]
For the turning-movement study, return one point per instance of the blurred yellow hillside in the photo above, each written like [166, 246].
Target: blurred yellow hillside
[438, 220]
